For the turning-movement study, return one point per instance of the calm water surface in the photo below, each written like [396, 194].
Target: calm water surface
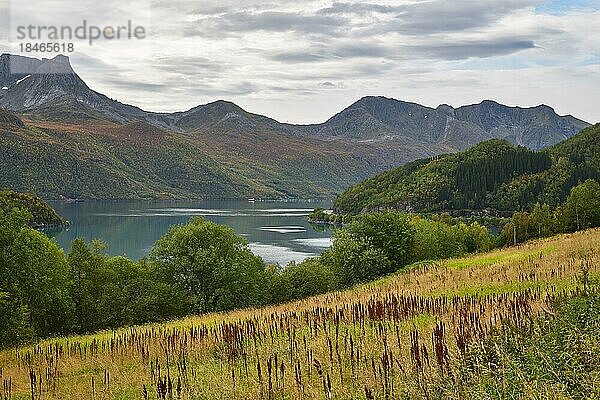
[277, 231]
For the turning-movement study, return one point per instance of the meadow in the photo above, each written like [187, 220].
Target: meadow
[406, 335]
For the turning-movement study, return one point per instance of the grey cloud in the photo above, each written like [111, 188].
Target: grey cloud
[357, 9]
[274, 21]
[333, 52]
[297, 57]
[195, 88]
[190, 66]
[372, 69]
[111, 75]
[210, 10]
[437, 16]
[87, 61]
[431, 49]
[327, 85]
[464, 50]
[133, 85]
[331, 85]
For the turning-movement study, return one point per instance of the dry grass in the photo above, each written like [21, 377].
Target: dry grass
[392, 338]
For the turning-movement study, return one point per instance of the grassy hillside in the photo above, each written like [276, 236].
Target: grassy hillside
[492, 174]
[41, 212]
[417, 334]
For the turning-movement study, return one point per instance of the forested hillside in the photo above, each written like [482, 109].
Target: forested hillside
[493, 174]
[102, 160]
[41, 212]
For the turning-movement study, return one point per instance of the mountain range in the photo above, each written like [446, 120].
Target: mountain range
[61, 138]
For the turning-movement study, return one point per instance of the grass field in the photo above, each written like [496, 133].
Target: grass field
[399, 337]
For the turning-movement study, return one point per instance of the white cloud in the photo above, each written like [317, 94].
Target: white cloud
[304, 61]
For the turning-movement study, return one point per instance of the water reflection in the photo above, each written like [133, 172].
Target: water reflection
[279, 232]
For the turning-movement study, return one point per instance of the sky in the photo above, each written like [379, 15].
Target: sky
[304, 61]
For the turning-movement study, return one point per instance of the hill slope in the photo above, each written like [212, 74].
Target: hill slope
[493, 174]
[103, 160]
[41, 212]
[381, 339]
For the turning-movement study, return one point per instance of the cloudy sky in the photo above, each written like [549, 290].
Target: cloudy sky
[303, 61]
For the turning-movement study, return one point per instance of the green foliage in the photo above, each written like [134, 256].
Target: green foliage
[319, 215]
[210, 266]
[370, 246]
[14, 321]
[542, 220]
[33, 282]
[437, 239]
[582, 209]
[300, 280]
[390, 232]
[41, 212]
[493, 174]
[434, 240]
[477, 176]
[354, 259]
[195, 268]
[558, 352]
[113, 292]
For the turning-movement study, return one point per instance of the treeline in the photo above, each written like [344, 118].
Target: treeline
[321, 216]
[195, 268]
[203, 267]
[476, 177]
[581, 210]
[491, 175]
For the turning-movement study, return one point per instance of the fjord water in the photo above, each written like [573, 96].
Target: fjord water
[277, 231]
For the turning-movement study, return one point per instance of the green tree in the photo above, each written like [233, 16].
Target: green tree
[582, 208]
[34, 285]
[437, 240]
[541, 221]
[517, 228]
[210, 267]
[391, 232]
[87, 263]
[354, 259]
[300, 280]
[14, 321]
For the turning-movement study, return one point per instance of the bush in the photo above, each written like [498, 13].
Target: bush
[298, 281]
[436, 240]
[353, 259]
[391, 233]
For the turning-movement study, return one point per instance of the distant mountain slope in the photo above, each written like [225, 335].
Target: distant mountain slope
[380, 118]
[8, 119]
[102, 160]
[50, 89]
[60, 137]
[493, 174]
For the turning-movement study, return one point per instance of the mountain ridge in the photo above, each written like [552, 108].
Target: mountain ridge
[54, 84]
[219, 149]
